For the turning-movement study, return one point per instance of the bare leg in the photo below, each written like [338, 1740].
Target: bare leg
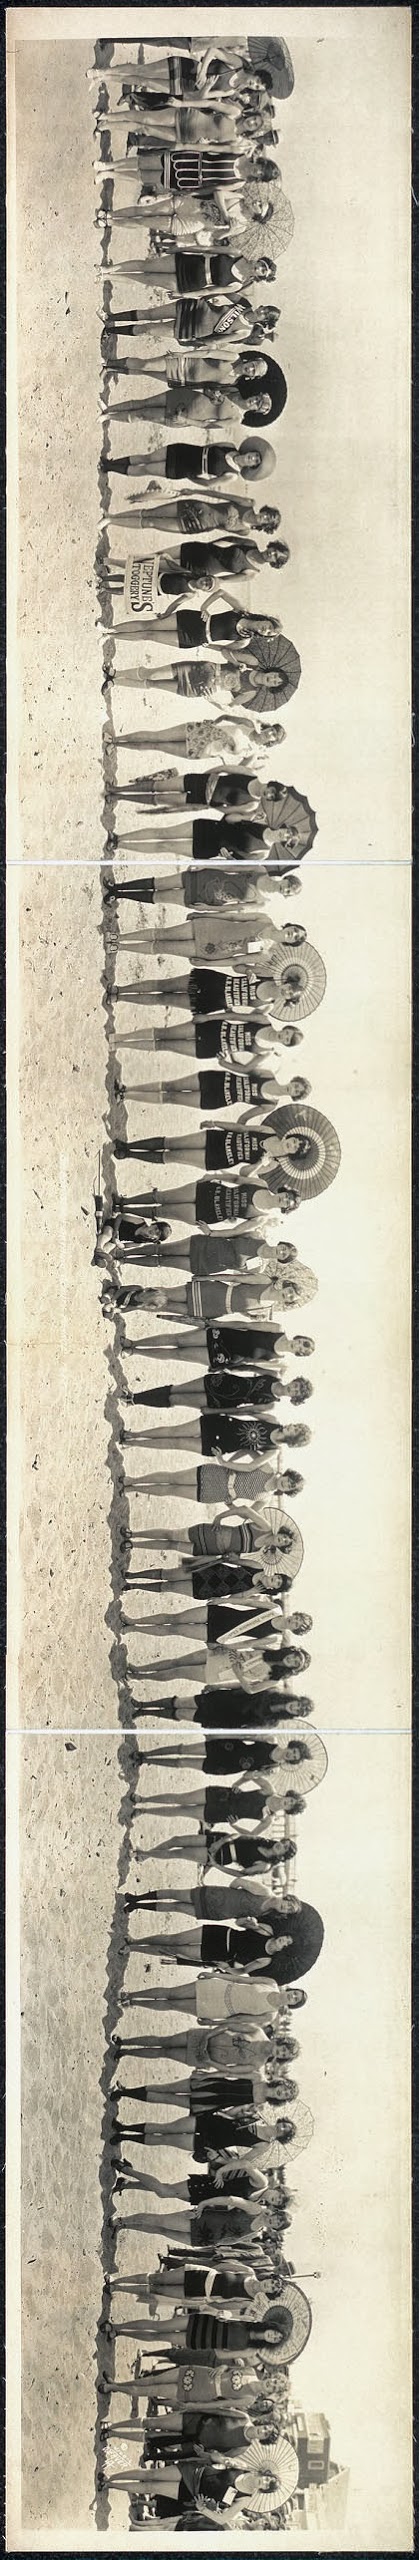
[184, 1948]
[176, 2045]
[182, 1435]
[158, 2186]
[180, 1847]
[178, 2133]
[180, 1996]
[189, 1623]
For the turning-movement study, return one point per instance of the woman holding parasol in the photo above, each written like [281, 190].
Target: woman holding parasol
[204, 464]
[284, 1946]
[265, 674]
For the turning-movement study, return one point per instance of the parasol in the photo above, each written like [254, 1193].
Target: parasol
[270, 53]
[302, 1775]
[290, 2298]
[275, 1518]
[279, 2468]
[303, 980]
[321, 1164]
[269, 657]
[275, 2152]
[302, 1282]
[271, 230]
[272, 381]
[292, 813]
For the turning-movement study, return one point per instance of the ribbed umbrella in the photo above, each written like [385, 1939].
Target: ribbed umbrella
[293, 811]
[303, 979]
[275, 2152]
[320, 1164]
[270, 53]
[272, 655]
[271, 230]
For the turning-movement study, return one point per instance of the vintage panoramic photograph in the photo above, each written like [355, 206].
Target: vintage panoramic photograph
[208, 892]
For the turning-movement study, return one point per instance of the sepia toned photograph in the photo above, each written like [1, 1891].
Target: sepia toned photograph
[208, 896]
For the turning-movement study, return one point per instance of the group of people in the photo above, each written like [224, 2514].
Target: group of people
[206, 2431]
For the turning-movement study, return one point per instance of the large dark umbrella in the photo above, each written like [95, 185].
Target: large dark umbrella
[270, 53]
[319, 1166]
[272, 380]
[271, 656]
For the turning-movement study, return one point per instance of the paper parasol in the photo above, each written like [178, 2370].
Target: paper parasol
[270, 53]
[293, 811]
[270, 656]
[279, 2467]
[270, 222]
[301, 1776]
[300, 1279]
[275, 2152]
[321, 1164]
[303, 981]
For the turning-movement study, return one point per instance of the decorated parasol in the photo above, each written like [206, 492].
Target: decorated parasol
[292, 813]
[301, 1775]
[302, 1282]
[275, 2152]
[302, 979]
[270, 53]
[292, 2300]
[274, 1519]
[279, 2471]
[269, 226]
[270, 670]
[320, 1161]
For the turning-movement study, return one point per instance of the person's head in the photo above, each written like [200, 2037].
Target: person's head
[289, 1035]
[290, 1482]
[279, 2319]
[284, 1540]
[299, 1389]
[290, 1293]
[300, 1622]
[297, 1145]
[302, 1344]
[294, 1659]
[299, 1088]
[296, 1752]
[263, 623]
[290, 884]
[261, 404]
[285, 1253]
[266, 319]
[281, 1857]
[296, 1997]
[284, 2133]
[254, 368]
[293, 935]
[273, 682]
[297, 1435]
[268, 518]
[293, 1803]
[272, 734]
[277, 554]
[249, 457]
[263, 271]
[287, 1200]
[266, 169]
